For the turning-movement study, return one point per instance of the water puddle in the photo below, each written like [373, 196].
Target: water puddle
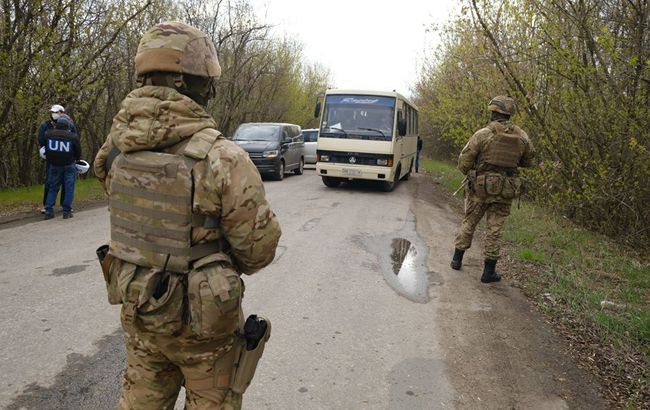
[402, 261]
[402, 251]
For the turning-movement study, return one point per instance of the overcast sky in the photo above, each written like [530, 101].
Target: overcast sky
[366, 44]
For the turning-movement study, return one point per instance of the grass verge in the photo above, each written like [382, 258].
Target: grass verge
[595, 291]
[26, 198]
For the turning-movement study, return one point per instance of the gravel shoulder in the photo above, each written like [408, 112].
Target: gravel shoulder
[498, 349]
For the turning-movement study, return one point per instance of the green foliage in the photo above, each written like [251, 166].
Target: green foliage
[81, 54]
[581, 77]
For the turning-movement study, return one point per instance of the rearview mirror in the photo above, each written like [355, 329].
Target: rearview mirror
[317, 110]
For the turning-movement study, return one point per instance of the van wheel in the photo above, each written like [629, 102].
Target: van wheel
[279, 175]
[390, 186]
[301, 167]
[331, 182]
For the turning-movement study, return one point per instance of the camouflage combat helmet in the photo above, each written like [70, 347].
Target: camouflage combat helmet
[177, 48]
[504, 105]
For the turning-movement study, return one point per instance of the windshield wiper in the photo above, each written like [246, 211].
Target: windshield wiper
[373, 129]
[339, 129]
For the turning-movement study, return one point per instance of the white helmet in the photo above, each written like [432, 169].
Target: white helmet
[57, 108]
[41, 152]
[82, 166]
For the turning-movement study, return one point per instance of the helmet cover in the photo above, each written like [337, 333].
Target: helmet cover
[176, 47]
[503, 104]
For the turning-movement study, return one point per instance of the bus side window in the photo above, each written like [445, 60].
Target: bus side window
[408, 120]
[417, 124]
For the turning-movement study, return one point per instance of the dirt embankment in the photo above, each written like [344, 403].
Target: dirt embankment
[594, 365]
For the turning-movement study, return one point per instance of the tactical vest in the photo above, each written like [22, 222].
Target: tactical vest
[61, 146]
[151, 195]
[504, 148]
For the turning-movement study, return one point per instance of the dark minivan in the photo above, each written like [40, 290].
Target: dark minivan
[274, 148]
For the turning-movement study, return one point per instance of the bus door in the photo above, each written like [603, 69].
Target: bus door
[399, 140]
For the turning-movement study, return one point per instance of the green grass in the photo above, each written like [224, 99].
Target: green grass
[531, 255]
[582, 269]
[448, 175]
[579, 268]
[32, 196]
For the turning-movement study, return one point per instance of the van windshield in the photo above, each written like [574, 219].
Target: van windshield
[257, 132]
[359, 117]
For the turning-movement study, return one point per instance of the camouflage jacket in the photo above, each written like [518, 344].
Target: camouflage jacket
[469, 158]
[228, 187]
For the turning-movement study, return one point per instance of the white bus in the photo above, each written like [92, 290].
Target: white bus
[366, 135]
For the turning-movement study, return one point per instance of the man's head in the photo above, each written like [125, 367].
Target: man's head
[63, 123]
[56, 110]
[179, 56]
[502, 107]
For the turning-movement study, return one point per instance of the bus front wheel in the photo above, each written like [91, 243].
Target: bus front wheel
[387, 186]
[331, 182]
[408, 174]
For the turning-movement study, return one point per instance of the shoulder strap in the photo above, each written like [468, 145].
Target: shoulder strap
[113, 153]
[201, 143]
[495, 127]
[196, 150]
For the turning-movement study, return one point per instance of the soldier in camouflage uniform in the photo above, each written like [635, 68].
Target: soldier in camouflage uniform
[490, 161]
[188, 216]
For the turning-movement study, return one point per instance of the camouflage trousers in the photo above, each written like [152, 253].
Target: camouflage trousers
[158, 365]
[496, 215]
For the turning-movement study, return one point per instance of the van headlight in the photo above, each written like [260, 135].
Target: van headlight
[270, 154]
[382, 162]
[323, 157]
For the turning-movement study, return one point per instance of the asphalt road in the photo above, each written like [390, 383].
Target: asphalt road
[348, 332]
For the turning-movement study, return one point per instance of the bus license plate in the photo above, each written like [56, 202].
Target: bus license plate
[348, 171]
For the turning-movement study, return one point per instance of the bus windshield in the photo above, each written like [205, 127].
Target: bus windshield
[359, 117]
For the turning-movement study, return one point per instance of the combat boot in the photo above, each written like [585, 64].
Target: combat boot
[457, 260]
[489, 275]
[67, 215]
[48, 216]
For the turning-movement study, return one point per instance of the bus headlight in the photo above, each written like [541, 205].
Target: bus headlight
[270, 154]
[323, 157]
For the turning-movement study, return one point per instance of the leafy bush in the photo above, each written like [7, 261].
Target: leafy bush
[581, 75]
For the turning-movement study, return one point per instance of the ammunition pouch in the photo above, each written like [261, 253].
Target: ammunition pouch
[214, 292]
[248, 351]
[492, 184]
[488, 184]
[153, 301]
[513, 187]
